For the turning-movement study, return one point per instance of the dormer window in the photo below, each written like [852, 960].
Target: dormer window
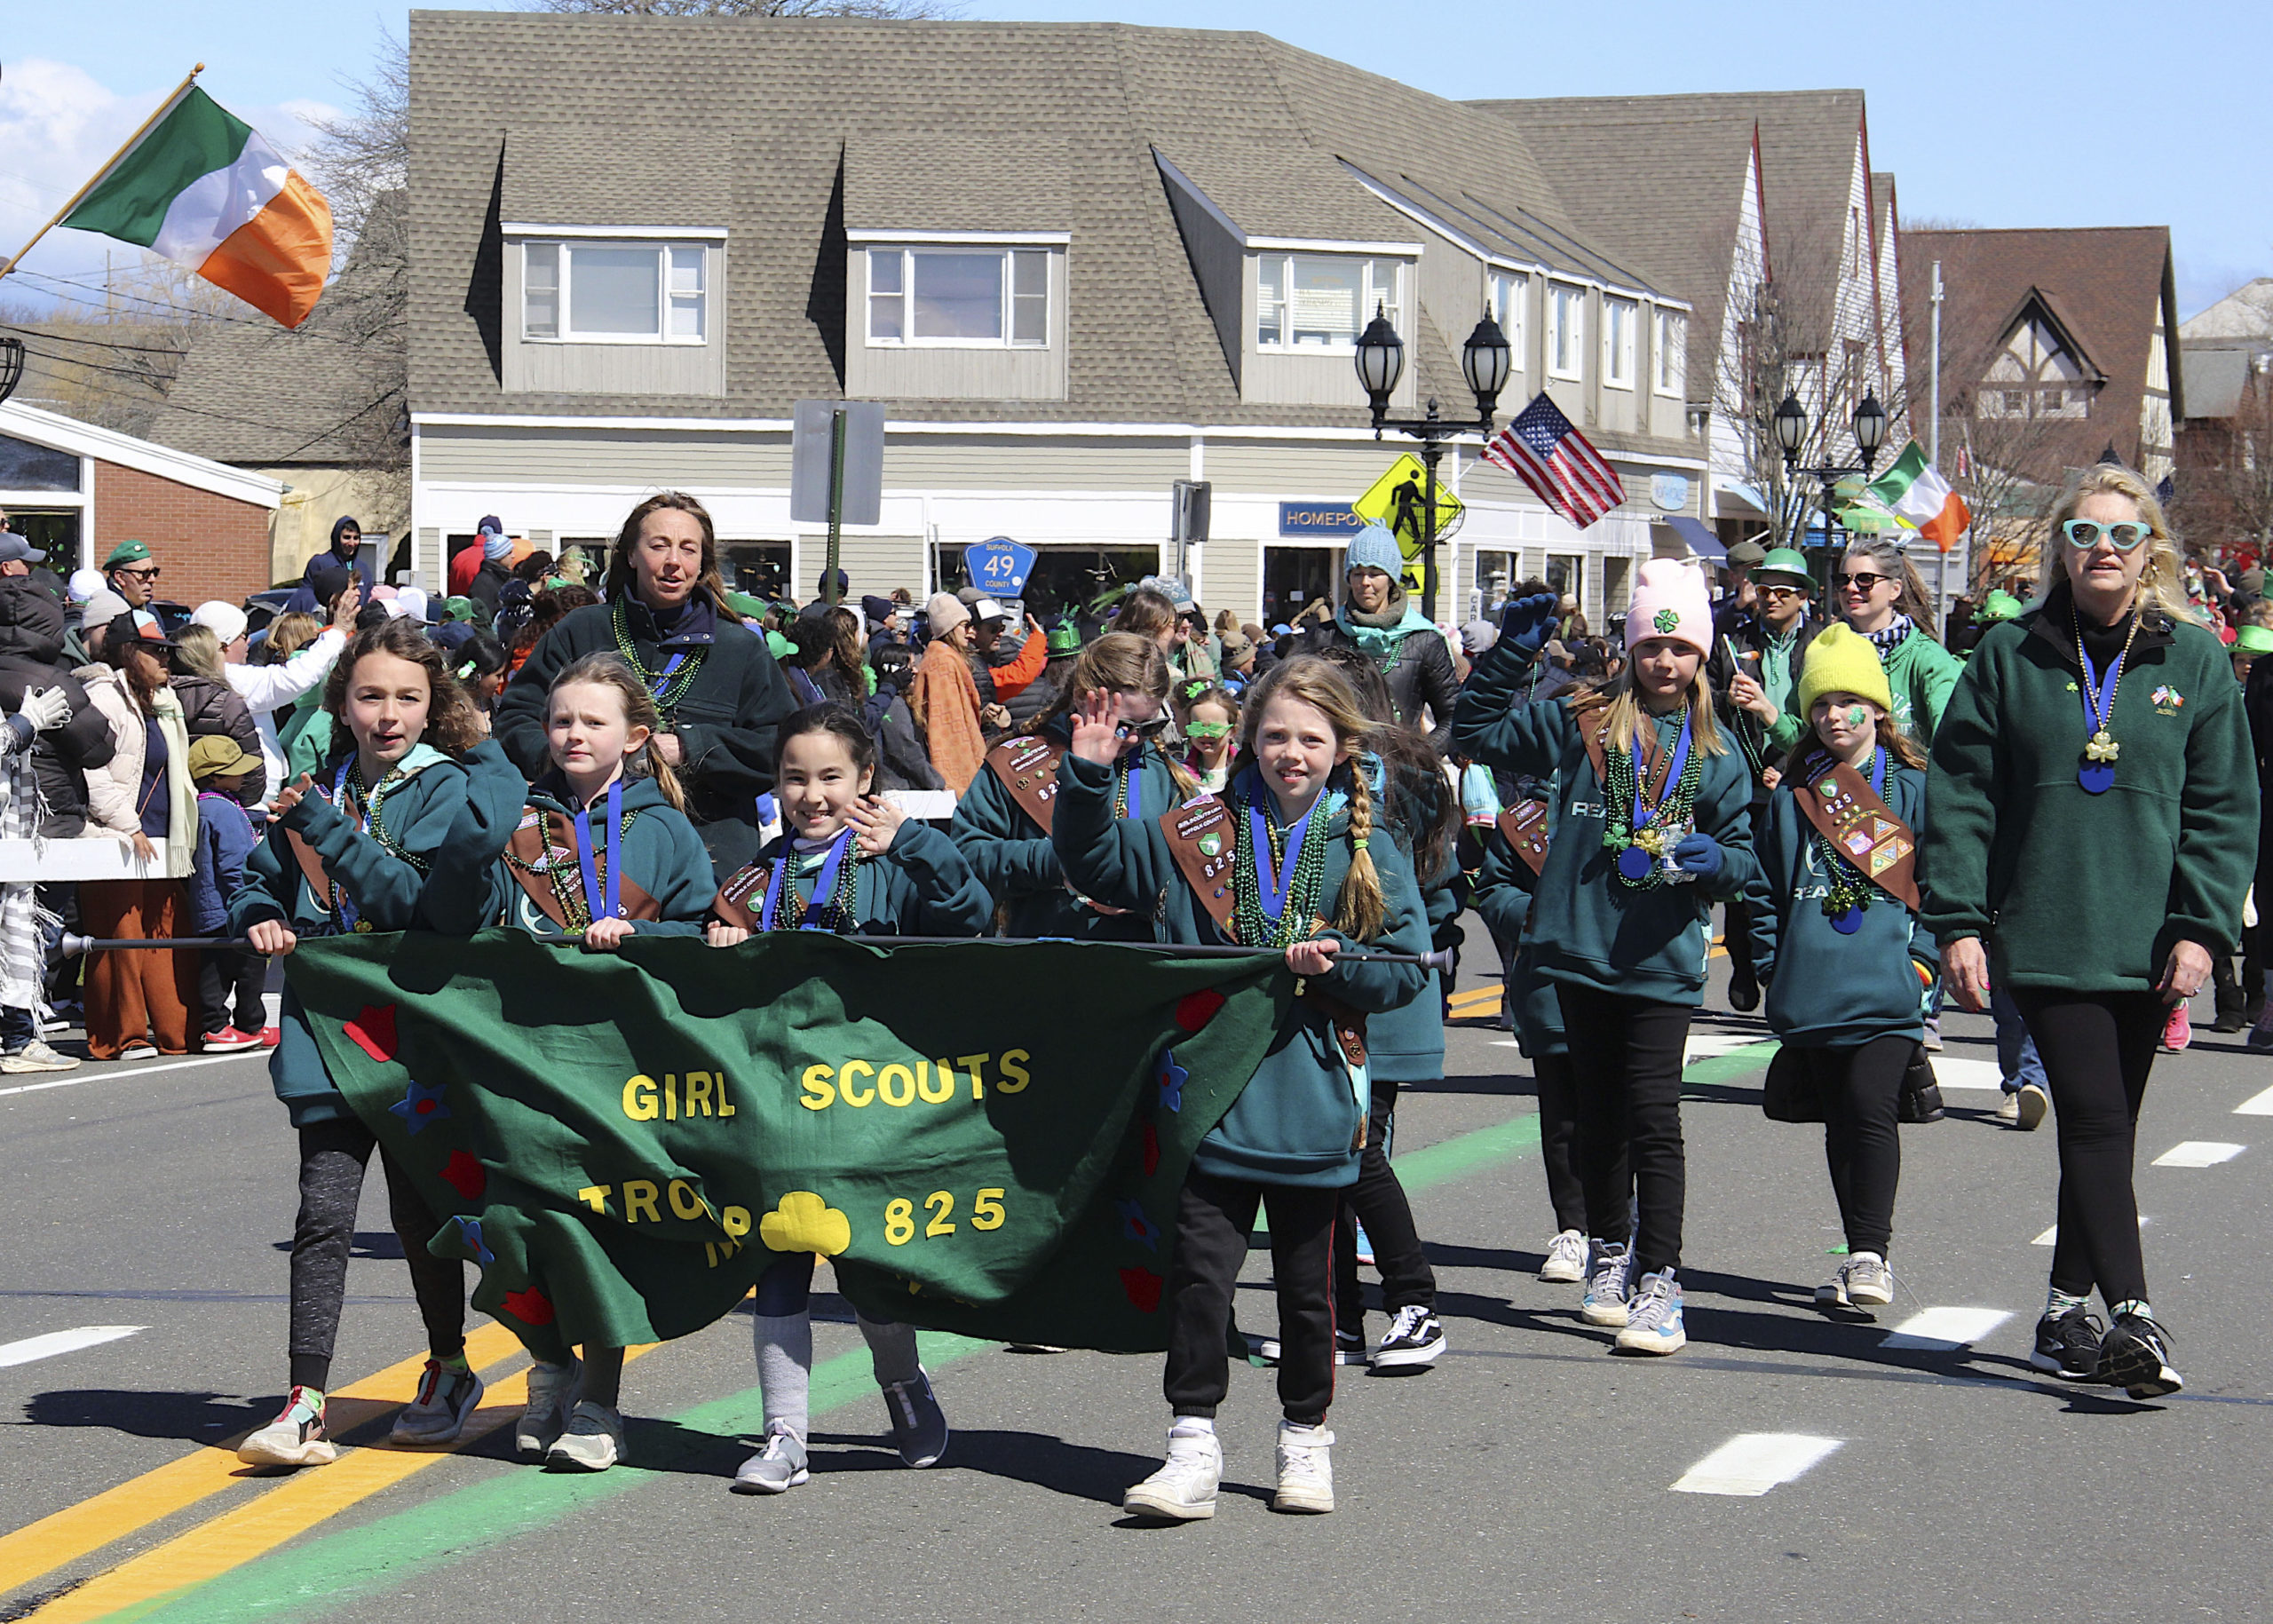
[1320, 302]
[959, 298]
[615, 292]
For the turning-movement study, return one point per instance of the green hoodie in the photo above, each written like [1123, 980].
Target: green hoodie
[661, 853]
[1923, 674]
[1502, 896]
[1589, 928]
[1297, 1120]
[921, 886]
[2077, 891]
[1827, 990]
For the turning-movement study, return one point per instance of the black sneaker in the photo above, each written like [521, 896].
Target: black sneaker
[2135, 1356]
[1349, 1348]
[2068, 1345]
[1744, 994]
[1415, 1341]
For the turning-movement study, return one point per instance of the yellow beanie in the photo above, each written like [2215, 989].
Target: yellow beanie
[1841, 661]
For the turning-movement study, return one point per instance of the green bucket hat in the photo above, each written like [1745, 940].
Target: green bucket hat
[2253, 640]
[1998, 606]
[1788, 562]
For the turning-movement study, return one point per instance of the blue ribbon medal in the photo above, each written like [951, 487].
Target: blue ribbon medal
[602, 893]
[1637, 860]
[824, 887]
[2097, 774]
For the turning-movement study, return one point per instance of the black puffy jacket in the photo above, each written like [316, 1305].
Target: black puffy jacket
[213, 707]
[1420, 676]
[31, 656]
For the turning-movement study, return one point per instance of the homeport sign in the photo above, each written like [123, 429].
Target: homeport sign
[1336, 520]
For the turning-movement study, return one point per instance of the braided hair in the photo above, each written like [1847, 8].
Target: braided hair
[1361, 909]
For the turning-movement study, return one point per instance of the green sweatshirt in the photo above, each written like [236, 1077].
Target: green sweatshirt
[921, 886]
[1827, 990]
[2079, 891]
[1502, 896]
[1297, 1120]
[661, 853]
[1590, 928]
[1923, 674]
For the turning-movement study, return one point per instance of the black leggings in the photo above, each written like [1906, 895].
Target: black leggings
[1861, 1090]
[2097, 1049]
[1558, 1133]
[1377, 1201]
[333, 1157]
[229, 977]
[1626, 1071]
[1213, 1219]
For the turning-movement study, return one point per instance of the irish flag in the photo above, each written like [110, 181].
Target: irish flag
[1918, 495]
[201, 189]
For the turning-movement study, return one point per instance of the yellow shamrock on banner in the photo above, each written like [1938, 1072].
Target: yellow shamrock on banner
[804, 1222]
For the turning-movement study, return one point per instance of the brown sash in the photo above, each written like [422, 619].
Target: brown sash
[547, 835]
[742, 898]
[1524, 825]
[311, 870]
[1028, 769]
[1657, 761]
[1204, 841]
[1840, 804]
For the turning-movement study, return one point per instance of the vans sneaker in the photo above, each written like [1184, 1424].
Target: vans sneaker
[778, 1468]
[296, 1437]
[919, 1427]
[1566, 1259]
[2067, 1345]
[2135, 1356]
[592, 1442]
[437, 1415]
[1605, 1302]
[1305, 1470]
[552, 1398]
[1415, 1340]
[1184, 1489]
[1349, 1348]
[1653, 1316]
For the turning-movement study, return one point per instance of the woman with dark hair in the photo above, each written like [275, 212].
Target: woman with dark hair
[481, 666]
[1880, 592]
[717, 691]
[547, 610]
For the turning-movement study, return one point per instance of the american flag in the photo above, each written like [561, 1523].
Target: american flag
[1542, 448]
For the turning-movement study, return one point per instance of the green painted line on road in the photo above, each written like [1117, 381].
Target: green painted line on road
[321, 1575]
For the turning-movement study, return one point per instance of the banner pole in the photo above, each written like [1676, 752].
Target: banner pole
[110, 164]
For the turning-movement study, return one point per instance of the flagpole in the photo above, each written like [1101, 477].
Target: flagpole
[163, 108]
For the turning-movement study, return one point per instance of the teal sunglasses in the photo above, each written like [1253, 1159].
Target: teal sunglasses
[2085, 532]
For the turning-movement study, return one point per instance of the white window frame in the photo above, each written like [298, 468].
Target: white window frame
[1669, 353]
[1506, 294]
[909, 252]
[1370, 296]
[1620, 318]
[1577, 295]
[671, 253]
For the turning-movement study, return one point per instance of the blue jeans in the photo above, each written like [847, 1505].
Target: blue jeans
[17, 1029]
[2017, 1061]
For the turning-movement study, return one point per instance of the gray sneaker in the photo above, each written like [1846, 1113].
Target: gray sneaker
[552, 1396]
[592, 1443]
[1653, 1319]
[37, 1056]
[778, 1468]
[1858, 1282]
[437, 1415]
[1605, 1302]
[919, 1427]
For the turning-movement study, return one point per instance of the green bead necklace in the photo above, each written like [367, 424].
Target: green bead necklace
[1255, 928]
[667, 694]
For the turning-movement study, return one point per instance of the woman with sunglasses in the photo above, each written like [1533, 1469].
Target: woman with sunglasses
[2095, 822]
[1877, 590]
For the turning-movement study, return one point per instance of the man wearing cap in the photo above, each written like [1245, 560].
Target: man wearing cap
[1378, 617]
[1745, 558]
[1754, 673]
[1003, 673]
[944, 699]
[133, 574]
[17, 556]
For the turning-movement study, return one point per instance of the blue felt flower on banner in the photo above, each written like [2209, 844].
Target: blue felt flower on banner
[1172, 1080]
[1137, 1226]
[420, 1106]
[469, 1231]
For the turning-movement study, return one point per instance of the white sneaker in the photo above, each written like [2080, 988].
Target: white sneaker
[1184, 1490]
[1566, 1258]
[2009, 1107]
[1305, 1470]
[778, 1468]
[552, 1397]
[296, 1437]
[37, 1055]
[593, 1441]
[2030, 1105]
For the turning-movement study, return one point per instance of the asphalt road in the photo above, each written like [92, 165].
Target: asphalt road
[1531, 1474]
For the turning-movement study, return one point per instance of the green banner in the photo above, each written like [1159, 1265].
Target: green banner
[984, 1138]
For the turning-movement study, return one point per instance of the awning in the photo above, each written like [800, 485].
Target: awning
[1699, 538]
[1734, 499]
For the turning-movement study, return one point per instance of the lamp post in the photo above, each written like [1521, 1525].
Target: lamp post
[1485, 362]
[1791, 425]
[12, 364]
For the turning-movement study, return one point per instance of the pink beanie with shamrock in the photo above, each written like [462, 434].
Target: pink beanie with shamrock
[1670, 601]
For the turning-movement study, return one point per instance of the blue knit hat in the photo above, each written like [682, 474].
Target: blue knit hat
[1375, 547]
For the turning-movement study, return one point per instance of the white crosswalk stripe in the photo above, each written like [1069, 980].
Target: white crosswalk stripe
[63, 1341]
[2053, 1234]
[2256, 1105]
[1952, 1072]
[1751, 1463]
[1941, 1329]
[2198, 1153]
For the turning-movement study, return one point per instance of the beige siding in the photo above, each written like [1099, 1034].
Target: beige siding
[553, 368]
[1017, 462]
[636, 457]
[874, 564]
[1231, 577]
[1330, 473]
[889, 372]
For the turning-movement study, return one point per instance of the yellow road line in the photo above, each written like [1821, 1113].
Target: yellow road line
[297, 1504]
[75, 1532]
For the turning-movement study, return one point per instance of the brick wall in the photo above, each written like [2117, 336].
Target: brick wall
[208, 546]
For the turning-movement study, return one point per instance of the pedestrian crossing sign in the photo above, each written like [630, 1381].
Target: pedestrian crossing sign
[1396, 502]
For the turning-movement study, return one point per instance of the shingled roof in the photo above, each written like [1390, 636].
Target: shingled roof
[788, 132]
[2111, 288]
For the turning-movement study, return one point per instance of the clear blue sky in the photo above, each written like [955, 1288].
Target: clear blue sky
[1991, 112]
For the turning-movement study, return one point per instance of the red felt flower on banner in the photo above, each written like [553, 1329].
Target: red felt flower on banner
[1194, 1011]
[373, 1032]
[532, 1307]
[1152, 1150]
[465, 1175]
[1143, 1288]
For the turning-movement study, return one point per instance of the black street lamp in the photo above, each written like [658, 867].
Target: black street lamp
[1485, 360]
[1791, 426]
[12, 364]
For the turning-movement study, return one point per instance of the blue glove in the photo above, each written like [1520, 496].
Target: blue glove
[1698, 854]
[1528, 622]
